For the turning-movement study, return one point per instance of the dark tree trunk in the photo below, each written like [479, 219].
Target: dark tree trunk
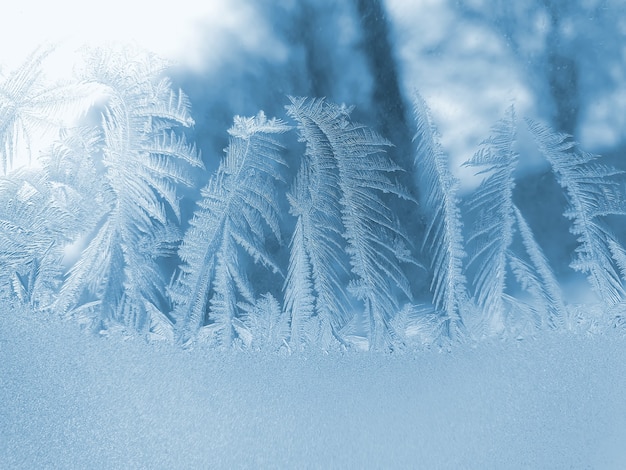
[562, 75]
[389, 107]
[319, 68]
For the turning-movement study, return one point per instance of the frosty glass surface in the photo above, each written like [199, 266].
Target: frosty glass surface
[356, 234]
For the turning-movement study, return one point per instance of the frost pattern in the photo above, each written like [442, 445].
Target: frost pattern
[34, 219]
[143, 161]
[348, 172]
[444, 237]
[493, 232]
[30, 107]
[493, 252]
[593, 191]
[93, 230]
[236, 203]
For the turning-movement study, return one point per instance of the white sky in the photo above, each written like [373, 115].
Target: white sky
[177, 29]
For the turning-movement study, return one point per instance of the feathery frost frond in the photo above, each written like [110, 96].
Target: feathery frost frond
[493, 248]
[543, 286]
[318, 270]
[237, 204]
[440, 204]
[493, 204]
[35, 223]
[30, 108]
[348, 170]
[142, 158]
[309, 285]
[593, 190]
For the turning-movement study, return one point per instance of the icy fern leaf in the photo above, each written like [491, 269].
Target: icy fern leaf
[543, 285]
[237, 205]
[144, 159]
[493, 205]
[268, 324]
[35, 224]
[31, 109]
[444, 237]
[348, 171]
[593, 191]
[314, 296]
[494, 250]
[309, 285]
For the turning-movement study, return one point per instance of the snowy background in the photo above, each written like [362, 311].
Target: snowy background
[549, 400]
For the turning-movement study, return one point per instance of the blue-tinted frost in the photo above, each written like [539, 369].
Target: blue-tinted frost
[98, 228]
[314, 239]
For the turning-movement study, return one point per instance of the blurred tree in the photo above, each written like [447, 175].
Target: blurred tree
[319, 48]
[571, 50]
[387, 101]
[571, 54]
[562, 70]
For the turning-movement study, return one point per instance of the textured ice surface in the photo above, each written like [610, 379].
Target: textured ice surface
[75, 401]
